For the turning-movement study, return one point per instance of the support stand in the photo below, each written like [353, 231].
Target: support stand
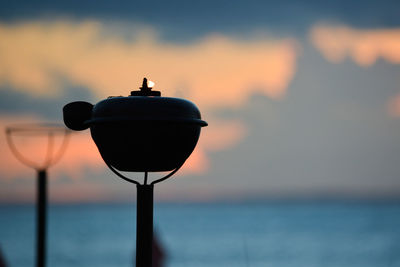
[41, 211]
[29, 133]
[144, 225]
[144, 217]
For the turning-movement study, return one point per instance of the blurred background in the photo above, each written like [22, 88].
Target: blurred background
[299, 165]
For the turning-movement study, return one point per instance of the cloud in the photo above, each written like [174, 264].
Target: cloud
[14, 102]
[42, 61]
[38, 57]
[362, 46]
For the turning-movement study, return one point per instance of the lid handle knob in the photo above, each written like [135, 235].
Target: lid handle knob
[145, 90]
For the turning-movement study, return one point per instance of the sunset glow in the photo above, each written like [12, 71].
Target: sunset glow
[291, 111]
[362, 46]
[265, 86]
[212, 72]
[215, 72]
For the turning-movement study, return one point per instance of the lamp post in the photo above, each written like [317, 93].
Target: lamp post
[53, 155]
[143, 132]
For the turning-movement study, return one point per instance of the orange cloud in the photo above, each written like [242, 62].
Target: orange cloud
[38, 57]
[363, 46]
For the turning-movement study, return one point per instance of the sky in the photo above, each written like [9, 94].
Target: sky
[302, 97]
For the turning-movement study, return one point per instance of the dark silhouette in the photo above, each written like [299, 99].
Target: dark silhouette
[145, 90]
[144, 224]
[3, 261]
[52, 157]
[143, 132]
[158, 253]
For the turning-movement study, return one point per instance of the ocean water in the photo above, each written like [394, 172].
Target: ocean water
[259, 234]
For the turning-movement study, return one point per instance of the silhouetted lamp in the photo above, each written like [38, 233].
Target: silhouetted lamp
[143, 132]
[29, 134]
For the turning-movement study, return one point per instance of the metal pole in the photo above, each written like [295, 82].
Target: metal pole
[41, 218]
[144, 225]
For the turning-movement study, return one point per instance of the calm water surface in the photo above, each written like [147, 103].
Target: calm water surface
[259, 234]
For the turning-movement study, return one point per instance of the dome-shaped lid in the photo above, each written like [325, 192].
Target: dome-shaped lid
[145, 105]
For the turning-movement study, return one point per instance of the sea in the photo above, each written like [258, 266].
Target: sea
[266, 233]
